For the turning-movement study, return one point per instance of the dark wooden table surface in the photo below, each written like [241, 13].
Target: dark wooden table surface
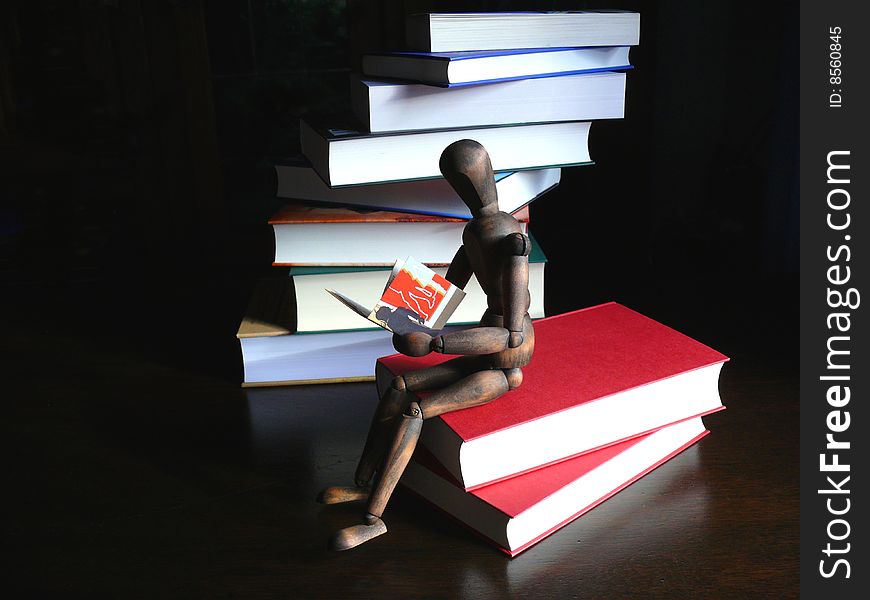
[137, 467]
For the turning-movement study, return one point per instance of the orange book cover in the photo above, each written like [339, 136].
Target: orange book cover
[298, 213]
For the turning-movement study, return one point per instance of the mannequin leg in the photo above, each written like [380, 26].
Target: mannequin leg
[477, 388]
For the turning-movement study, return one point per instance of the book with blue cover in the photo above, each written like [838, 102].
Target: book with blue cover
[298, 181]
[455, 69]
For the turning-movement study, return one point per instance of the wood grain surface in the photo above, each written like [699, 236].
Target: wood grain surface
[139, 468]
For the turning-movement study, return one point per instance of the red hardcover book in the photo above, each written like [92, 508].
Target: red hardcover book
[321, 235]
[516, 513]
[598, 376]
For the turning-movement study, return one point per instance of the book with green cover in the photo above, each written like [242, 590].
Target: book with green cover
[317, 311]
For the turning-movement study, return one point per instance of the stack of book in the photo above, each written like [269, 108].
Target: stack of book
[609, 396]
[524, 85]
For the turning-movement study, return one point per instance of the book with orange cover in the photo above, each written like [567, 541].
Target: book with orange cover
[319, 235]
[598, 376]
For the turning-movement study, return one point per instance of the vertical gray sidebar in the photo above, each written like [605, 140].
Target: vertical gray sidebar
[835, 366]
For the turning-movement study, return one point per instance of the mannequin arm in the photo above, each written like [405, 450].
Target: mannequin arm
[460, 271]
[515, 285]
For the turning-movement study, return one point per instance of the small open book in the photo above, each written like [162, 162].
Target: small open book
[416, 298]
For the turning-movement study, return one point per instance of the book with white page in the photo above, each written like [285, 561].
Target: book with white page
[336, 236]
[457, 32]
[384, 106]
[343, 156]
[274, 354]
[422, 197]
[517, 513]
[454, 69]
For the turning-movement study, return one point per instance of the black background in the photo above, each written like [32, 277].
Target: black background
[139, 139]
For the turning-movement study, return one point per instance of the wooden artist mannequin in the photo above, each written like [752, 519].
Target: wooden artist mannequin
[491, 355]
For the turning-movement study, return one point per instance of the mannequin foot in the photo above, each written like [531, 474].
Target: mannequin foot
[338, 494]
[353, 536]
